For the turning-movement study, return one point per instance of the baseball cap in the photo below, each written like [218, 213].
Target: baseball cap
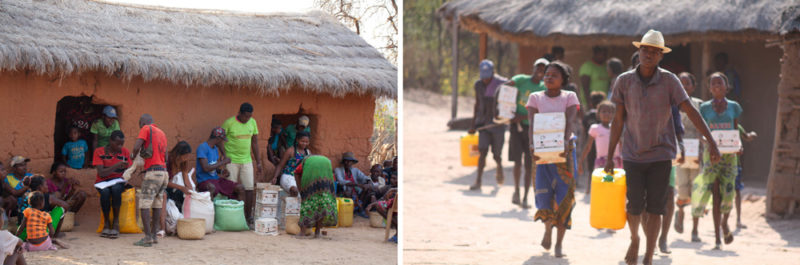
[303, 121]
[110, 112]
[16, 160]
[541, 61]
[486, 69]
[218, 132]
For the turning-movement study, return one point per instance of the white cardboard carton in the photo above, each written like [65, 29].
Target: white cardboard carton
[691, 151]
[728, 141]
[549, 122]
[548, 137]
[507, 102]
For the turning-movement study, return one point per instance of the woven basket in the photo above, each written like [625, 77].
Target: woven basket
[376, 220]
[68, 223]
[292, 226]
[192, 228]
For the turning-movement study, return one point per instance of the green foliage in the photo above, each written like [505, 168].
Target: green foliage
[427, 51]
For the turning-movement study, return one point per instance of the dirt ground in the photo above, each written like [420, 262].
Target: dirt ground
[448, 224]
[359, 244]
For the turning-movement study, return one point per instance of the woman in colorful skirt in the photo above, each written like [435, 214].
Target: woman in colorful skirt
[554, 185]
[716, 182]
[318, 208]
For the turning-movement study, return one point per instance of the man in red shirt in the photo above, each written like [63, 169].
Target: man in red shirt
[155, 176]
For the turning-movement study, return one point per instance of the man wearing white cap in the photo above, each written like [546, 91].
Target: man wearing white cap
[518, 142]
[644, 96]
[492, 135]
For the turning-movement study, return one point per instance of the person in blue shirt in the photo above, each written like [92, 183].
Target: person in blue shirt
[273, 148]
[74, 151]
[209, 162]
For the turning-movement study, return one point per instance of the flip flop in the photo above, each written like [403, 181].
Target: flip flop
[105, 233]
[143, 243]
[113, 234]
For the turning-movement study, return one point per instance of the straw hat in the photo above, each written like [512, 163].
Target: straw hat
[653, 38]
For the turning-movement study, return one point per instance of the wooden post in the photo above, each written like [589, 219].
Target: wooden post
[705, 65]
[454, 78]
[484, 43]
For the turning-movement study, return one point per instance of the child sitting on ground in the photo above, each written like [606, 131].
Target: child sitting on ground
[74, 151]
[10, 246]
[37, 223]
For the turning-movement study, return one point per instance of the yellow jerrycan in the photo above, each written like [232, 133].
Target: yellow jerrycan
[469, 150]
[607, 208]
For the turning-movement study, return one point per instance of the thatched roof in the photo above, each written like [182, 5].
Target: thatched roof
[269, 53]
[615, 21]
[790, 20]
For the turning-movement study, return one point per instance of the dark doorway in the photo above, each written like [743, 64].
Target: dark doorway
[79, 112]
[289, 119]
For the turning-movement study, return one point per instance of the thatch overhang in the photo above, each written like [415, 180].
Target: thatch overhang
[268, 53]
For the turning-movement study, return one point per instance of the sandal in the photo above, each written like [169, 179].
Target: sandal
[106, 233]
[160, 234]
[143, 243]
[113, 234]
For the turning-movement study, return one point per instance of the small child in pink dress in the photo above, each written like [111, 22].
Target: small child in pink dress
[600, 134]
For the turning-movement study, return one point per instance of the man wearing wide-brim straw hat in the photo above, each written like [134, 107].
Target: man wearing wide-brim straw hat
[644, 97]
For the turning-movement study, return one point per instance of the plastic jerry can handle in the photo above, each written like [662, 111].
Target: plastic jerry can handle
[348, 200]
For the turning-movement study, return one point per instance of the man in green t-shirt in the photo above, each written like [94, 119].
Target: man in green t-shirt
[518, 143]
[103, 127]
[242, 134]
[593, 75]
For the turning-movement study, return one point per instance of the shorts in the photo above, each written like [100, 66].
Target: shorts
[683, 183]
[739, 184]
[153, 186]
[221, 186]
[241, 173]
[287, 182]
[647, 185]
[519, 143]
[494, 138]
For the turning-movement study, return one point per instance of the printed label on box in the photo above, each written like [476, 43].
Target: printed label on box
[728, 141]
[268, 211]
[269, 197]
[292, 206]
[691, 147]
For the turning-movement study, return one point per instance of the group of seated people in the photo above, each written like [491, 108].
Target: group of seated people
[26, 196]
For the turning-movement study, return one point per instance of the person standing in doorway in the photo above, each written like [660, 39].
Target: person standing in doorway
[242, 134]
[491, 134]
[644, 98]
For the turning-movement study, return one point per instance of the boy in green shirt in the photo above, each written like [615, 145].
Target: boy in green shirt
[518, 142]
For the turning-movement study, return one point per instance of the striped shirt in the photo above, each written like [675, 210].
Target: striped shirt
[649, 133]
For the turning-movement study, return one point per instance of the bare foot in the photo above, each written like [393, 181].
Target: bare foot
[633, 252]
[662, 245]
[695, 238]
[515, 198]
[525, 204]
[476, 186]
[647, 260]
[559, 253]
[739, 225]
[499, 176]
[546, 241]
[718, 247]
[679, 222]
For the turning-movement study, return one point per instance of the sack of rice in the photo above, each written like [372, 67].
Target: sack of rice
[292, 226]
[229, 216]
[192, 228]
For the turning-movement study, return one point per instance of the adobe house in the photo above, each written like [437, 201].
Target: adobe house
[62, 61]
[695, 30]
[783, 188]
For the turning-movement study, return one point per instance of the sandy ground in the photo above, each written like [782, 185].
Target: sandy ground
[448, 224]
[359, 244]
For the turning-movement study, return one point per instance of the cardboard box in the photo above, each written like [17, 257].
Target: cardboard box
[268, 194]
[549, 122]
[728, 141]
[266, 211]
[691, 152]
[292, 206]
[548, 147]
[507, 102]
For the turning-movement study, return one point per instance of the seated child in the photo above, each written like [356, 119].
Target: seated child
[37, 223]
[383, 206]
[74, 151]
[10, 246]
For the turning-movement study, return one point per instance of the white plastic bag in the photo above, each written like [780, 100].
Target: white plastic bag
[199, 205]
[173, 214]
[178, 179]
